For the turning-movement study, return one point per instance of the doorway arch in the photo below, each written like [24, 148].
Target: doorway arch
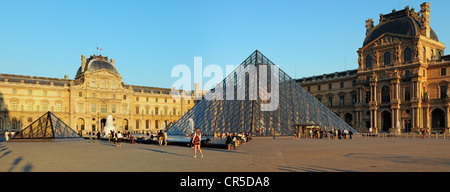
[386, 121]
[80, 124]
[438, 119]
[349, 119]
[125, 124]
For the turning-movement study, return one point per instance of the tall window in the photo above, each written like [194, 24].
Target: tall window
[80, 107]
[113, 108]
[124, 109]
[443, 91]
[45, 107]
[30, 106]
[156, 124]
[103, 108]
[369, 61]
[137, 110]
[58, 107]
[156, 110]
[93, 108]
[147, 124]
[341, 100]
[407, 93]
[387, 58]
[443, 71]
[330, 101]
[407, 54]
[2, 124]
[385, 94]
[14, 105]
[137, 123]
[367, 96]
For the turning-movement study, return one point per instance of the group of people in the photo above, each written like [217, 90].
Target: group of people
[7, 134]
[113, 136]
[234, 140]
[332, 134]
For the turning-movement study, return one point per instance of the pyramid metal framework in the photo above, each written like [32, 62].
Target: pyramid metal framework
[47, 127]
[295, 107]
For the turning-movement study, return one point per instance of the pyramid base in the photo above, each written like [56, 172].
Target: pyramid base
[47, 140]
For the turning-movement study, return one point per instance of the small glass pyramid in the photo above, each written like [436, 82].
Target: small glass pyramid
[48, 126]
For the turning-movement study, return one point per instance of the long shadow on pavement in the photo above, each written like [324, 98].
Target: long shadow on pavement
[164, 152]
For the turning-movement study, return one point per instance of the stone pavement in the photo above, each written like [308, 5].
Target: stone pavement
[263, 154]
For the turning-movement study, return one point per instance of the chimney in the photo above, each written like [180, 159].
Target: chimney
[66, 77]
[112, 61]
[369, 25]
[425, 18]
[83, 62]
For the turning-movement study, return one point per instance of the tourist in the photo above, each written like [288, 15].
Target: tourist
[119, 139]
[197, 138]
[350, 133]
[6, 135]
[345, 133]
[98, 135]
[160, 138]
[229, 142]
[165, 138]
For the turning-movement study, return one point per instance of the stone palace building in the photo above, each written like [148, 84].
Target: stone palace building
[401, 84]
[84, 102]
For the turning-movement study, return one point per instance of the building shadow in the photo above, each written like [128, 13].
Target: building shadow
[310, 168]
[406, 159]
[165, 152]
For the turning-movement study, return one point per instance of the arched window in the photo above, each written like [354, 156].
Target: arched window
[387, 58]
[369, 61]
[407, 54]
[385, 94]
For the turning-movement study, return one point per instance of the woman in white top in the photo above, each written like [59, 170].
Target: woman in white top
[119, 139]
[196, 140]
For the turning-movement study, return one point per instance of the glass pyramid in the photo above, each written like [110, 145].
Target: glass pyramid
[296, 107]
[48, 126]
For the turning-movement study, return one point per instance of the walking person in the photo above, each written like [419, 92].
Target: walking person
[98, 136]
[196, 141]
[350, 133]
[165, 138]
[6, 135]
[119, 139]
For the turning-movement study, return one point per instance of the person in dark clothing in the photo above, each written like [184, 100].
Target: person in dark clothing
[229, 142]
[98, 135]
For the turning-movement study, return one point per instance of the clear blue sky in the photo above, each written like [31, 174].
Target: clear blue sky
[147, 38]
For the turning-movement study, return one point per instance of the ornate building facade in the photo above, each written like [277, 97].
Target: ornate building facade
[401, 84]
[84, 102]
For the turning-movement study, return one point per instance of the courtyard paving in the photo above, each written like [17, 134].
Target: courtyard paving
[263, 154]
